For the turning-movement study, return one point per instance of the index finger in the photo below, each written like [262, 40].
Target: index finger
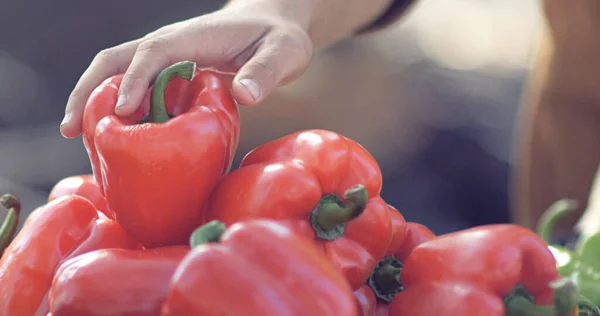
[108, 62]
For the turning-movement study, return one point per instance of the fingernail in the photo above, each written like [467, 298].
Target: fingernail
[66, 119]
[121, 101]
[252, 87]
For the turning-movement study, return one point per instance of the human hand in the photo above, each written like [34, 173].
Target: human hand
[262, 42]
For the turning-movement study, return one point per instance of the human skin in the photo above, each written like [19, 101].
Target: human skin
[558, 143]
[258, 44]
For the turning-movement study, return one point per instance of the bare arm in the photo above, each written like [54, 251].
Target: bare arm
[559, 144]
[265, 43]
[330, 21]
[337, 19]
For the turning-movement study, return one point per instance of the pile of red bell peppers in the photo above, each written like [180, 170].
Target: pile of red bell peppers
[163, 227]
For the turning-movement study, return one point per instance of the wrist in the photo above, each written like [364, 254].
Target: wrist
[293, 12]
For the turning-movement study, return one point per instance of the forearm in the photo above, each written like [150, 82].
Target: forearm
[327, 21]
[334, 20]
[559, 155]
[559, 144]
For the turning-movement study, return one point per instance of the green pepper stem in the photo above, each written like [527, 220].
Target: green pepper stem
[520, 306]
[388, 278]
[385, 279]
[566, 298]
[330, 215]
[587, 308]
[209, 232]
[158, 110]
[555, 212]
[11, 222]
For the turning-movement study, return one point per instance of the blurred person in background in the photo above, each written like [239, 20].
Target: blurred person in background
[558, 145]
[268, 43]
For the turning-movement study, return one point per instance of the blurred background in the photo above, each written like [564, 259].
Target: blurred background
[434, 98]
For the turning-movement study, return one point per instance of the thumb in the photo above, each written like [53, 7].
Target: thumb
[282, 57]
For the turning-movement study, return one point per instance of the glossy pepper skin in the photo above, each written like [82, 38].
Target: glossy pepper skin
[157, 171]
[83, 185]
[257, 267]
[415, 235]
[115, 282]
[474, 271]
[400, 230]
[104, 234]
[374, 297]
[65, 227]
[367, 302]
[28, 264]
[581, 265]
[323, 185]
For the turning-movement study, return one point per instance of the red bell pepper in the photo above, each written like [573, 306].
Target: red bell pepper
[416, 234]
[324, 185]
[400, 229]
[65, 227]
[157, 171]
[367, 302]
[365, 297]
[83, 185]
[105, 234]
[474, 272]
[374, 297]
[115, 282]
[256, 267]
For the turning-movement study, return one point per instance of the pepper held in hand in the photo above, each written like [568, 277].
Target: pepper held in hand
[256, 268]
[157, 172]
[320, 183]
[473, 272]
